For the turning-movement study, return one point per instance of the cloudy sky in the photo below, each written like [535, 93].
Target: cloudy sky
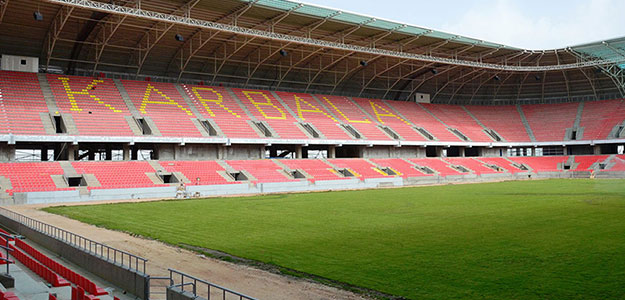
[528, 24]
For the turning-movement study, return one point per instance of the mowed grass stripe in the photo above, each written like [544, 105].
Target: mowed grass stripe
[550, 239]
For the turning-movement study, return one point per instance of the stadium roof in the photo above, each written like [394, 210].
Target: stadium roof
[238, 42]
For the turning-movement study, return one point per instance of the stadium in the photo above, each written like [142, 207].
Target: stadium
[271, 149]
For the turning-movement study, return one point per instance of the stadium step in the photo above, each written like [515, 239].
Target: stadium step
[526, 124]
[325, 108]
[203, 126]
[490, 132]
[578, 117]
[366, 113]
[234, 96]
[576, 132]
[293, 114]
[400, 114]
[122, 91]
[68, 169]
[186, 98]
[47, 93]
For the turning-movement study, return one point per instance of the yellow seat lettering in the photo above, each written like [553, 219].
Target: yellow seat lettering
[146, 100]
[376, 110]
[205, 102]
[343, 115]
[71, 94]
[259, 105]
[311, 108]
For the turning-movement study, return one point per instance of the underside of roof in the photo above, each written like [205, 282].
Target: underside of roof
[284, 45]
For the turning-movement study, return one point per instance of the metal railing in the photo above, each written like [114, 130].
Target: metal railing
[110, 254]
[202, 288]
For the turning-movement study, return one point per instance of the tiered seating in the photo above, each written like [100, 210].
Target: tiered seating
[388, 117]
[265, 107]
[117, 175]
[217, 104]
[619, 165]
[549, 122]
[8, 296]
[415, 114]
[310, 111]
[94, 103]
[48, 275]
[502, 163]
[436, 164]
[585, 162]
[405, 168]
[163, 103]
[349, 113]
[206, 171]
[318, 169]
[542, 163]
[263, 170]
[70, 275]
[21, 103]
[472, 164]
[31, 176]
[599, 117]
[503, 119]
[456, 117]
[362, 168]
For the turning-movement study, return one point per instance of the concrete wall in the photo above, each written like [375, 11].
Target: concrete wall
[247, 188]
[490, 152]
[393, 152]
[174, 293]
[235, 152]
[131, 281]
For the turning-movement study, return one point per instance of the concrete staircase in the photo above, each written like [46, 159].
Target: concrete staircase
[47, 94]
[188, 100]
[122, 91]
[325, 108]
[288, 109]
[528, 129]
[364, 111]
[578, 116]
[68, 169]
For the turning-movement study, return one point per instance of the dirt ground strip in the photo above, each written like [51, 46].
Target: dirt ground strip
[250, 281]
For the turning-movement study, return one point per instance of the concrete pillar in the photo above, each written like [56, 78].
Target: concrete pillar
[596, 149]
[126, 151]
[298, 151]
[420, 152]
[332, 151]
[439, 151]
[71, 152]
[461, 151]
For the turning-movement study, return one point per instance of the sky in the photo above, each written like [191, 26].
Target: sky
[527, 24]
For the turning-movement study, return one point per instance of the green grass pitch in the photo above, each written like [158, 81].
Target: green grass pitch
[548, 239]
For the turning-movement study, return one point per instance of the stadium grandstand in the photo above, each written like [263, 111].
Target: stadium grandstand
[155, 99]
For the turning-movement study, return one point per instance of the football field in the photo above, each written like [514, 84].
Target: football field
[546, 239]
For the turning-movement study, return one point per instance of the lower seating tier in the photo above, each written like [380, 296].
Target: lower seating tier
[49, 176]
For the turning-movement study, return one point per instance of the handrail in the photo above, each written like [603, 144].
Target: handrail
[110, 254]
[186, 279]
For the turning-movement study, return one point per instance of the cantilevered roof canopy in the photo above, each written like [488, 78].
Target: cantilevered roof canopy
[238, 42]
